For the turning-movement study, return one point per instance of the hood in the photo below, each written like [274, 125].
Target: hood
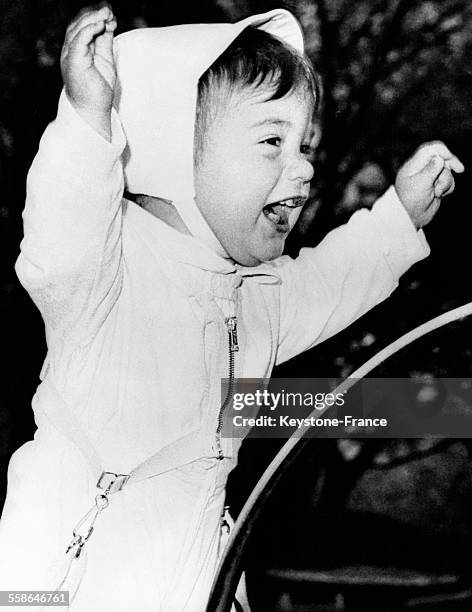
[156, 97]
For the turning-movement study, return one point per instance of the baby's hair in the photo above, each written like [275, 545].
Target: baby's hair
[255, 58]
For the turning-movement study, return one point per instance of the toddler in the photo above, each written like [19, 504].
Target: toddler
[149, 300]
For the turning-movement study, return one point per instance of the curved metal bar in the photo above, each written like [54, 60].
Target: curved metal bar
[227, 576]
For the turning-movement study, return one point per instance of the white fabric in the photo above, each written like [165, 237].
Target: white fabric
[137, 346]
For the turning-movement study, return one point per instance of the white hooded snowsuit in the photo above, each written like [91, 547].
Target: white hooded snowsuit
[135, 316]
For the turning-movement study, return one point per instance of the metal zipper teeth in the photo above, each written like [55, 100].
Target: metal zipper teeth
[231, 324]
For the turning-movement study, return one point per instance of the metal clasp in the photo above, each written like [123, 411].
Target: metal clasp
[111, 482]
[79, 539]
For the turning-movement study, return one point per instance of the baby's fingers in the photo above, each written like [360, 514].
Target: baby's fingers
[104, 43]
[455, 164]
[444, 184]
[85, 36]
[426, 152]
[85, 18]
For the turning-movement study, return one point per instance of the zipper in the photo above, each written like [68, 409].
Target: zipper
[225, 526]
[233, 347]
[225, 530]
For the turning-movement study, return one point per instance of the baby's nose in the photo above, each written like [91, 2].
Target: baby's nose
[300, 170]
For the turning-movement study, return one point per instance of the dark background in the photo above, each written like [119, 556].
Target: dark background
[396, 73]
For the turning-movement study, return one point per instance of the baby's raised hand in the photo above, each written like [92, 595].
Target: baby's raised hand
[425, 179]
[88, 67]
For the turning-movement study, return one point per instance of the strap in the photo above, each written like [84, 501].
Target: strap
[53, 406]
[180, 452]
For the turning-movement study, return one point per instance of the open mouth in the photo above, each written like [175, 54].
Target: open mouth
[279, 212]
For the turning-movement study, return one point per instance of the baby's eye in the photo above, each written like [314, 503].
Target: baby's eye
[274, 141]
[307, 150]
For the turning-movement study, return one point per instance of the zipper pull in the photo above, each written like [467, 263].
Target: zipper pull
[225, 526]
[219, 451]
[231, 324]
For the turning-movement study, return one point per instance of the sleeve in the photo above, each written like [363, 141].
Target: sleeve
[70, 259]
[354, 268]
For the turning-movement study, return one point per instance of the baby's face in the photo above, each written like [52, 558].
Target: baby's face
[253, 174]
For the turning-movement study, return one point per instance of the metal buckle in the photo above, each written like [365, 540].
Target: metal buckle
[111, 482]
